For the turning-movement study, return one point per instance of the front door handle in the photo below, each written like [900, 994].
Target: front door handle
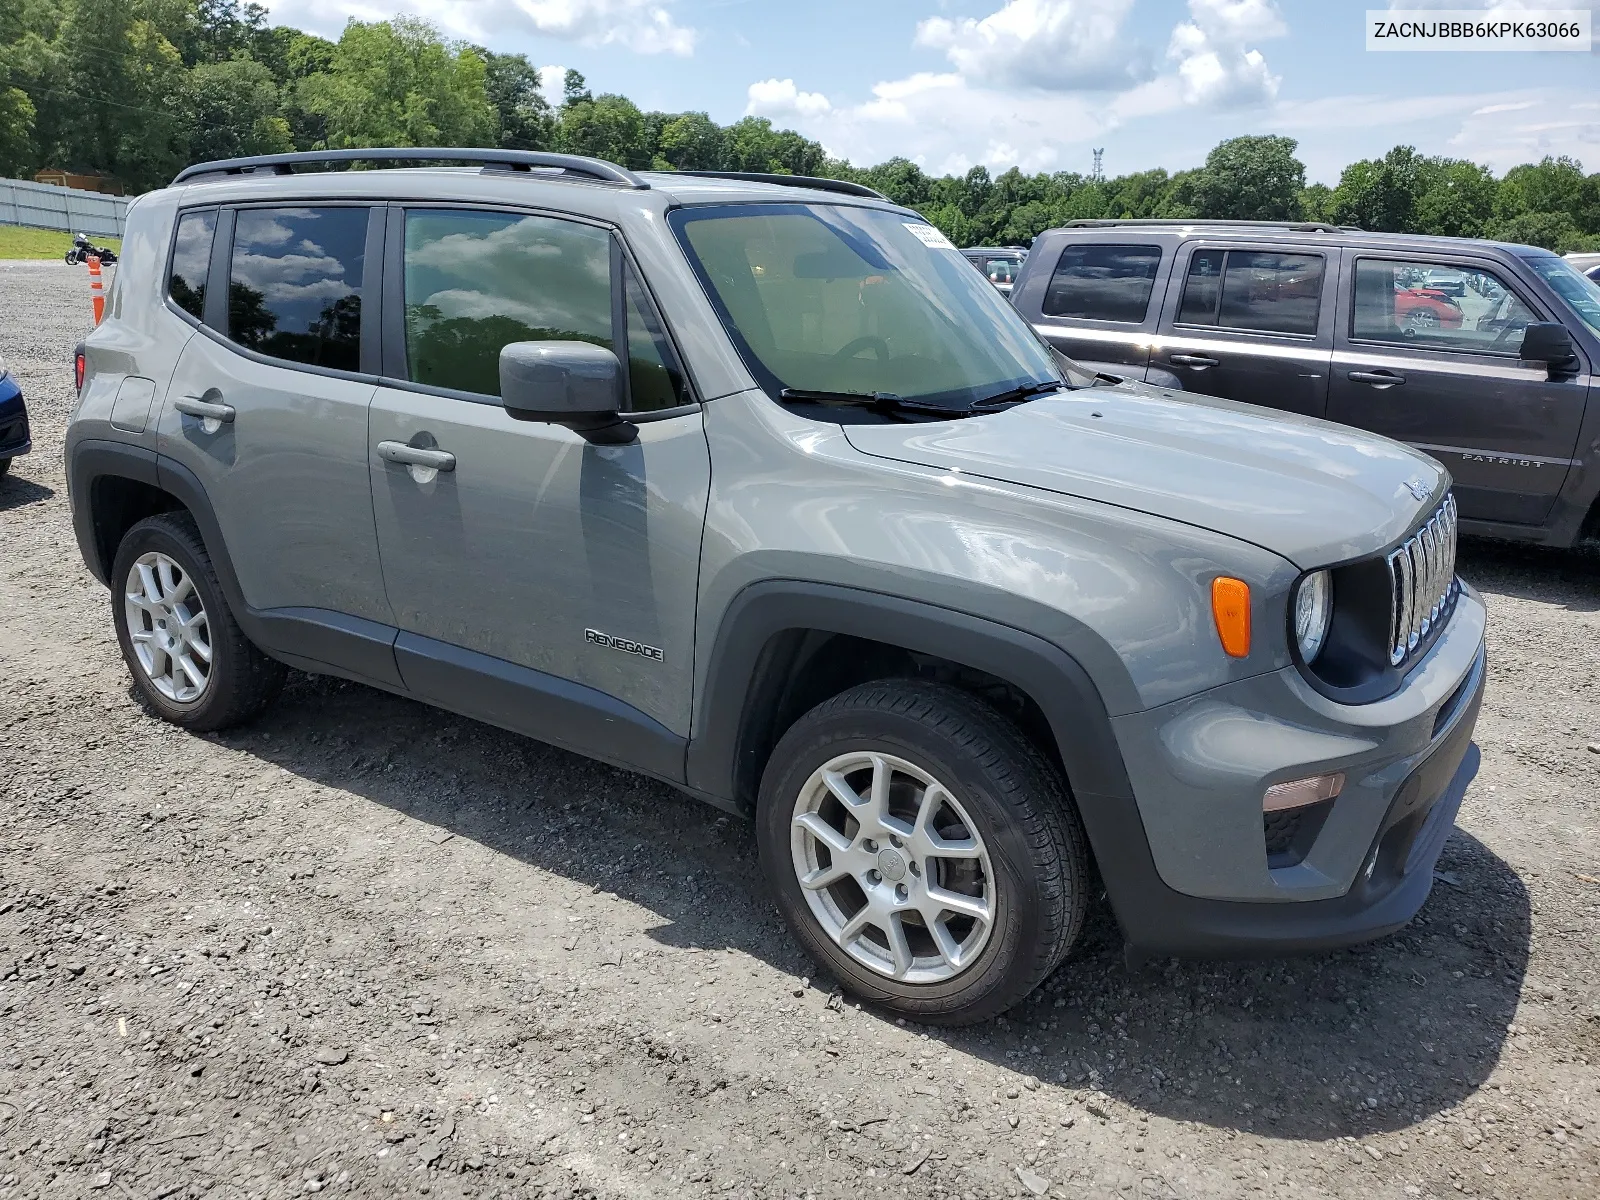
[1201, 361]
[1378, 379]
[416, 456]
[206, 410]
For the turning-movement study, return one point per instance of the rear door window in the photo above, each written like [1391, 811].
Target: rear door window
[1261, 290]
[1103, 282]
[191, 261]
[1437, 307]
[294, 284]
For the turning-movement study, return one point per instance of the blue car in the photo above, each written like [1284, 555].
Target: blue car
[13, 419]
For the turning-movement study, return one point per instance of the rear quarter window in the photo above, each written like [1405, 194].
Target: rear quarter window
[191, 261]
[1103, 282]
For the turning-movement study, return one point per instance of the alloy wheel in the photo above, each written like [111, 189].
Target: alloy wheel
[892, 867]
[167, 627]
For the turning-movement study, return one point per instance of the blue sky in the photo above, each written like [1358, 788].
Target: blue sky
[1039, 83]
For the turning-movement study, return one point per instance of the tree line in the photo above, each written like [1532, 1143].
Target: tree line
[136, 89]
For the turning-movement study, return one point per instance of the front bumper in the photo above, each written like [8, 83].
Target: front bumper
[1200, 881]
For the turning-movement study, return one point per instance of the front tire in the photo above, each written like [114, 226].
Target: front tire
[190, 662]
[922, 850]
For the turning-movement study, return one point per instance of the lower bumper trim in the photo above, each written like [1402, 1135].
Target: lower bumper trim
[1192, 927]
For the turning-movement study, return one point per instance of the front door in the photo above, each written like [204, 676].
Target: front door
[267, 408]
[1428, 355]
[537, 565]
[1252, 324]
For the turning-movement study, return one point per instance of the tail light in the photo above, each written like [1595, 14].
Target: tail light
[79, 366]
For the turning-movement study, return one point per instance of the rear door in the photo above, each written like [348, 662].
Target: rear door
[1098, 303]
[1442, 372]
[268, 405]
[1251, 323]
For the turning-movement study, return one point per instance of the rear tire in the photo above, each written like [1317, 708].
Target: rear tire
[190, 662]
[5, 465]
[884, 882]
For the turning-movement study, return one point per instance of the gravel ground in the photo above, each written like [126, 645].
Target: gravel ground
[369, 948]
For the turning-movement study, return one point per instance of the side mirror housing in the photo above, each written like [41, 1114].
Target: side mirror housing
[576, 384]
[1548, 342]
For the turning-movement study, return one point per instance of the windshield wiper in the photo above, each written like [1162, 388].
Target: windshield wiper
[883, 401]
[1017, 394]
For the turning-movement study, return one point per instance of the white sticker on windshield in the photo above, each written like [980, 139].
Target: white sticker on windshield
[928, 235]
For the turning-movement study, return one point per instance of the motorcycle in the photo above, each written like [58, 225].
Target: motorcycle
[83, 248]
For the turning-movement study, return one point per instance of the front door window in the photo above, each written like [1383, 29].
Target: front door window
[1436, 306]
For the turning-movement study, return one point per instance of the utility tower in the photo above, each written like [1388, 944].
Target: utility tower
[1098, 173]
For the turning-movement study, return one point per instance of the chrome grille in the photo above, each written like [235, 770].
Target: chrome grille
[1422, 573]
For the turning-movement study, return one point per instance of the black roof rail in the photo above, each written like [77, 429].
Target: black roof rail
[843, 186]
[1291, 226]
[515, 160]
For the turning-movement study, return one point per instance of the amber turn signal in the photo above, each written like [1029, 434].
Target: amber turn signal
[1230, 609]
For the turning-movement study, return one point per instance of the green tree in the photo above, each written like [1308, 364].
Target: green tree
[1381, 193]
[1316, 202]
[235, 111]
[693, 142]
[524, 118]
[1251, 178]
[1552, 185]
[16, 130]
[608, 127]
[574, 89]
[1456, 198]
[398, 83]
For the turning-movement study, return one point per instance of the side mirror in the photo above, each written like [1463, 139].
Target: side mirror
[576, 384]
[1547, 342]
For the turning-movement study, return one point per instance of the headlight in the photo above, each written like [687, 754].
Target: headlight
[1313, 612]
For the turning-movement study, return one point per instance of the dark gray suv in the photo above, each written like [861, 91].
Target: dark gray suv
[1481, 354]
[758, 488]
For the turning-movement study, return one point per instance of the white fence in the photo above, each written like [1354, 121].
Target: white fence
[45, 206]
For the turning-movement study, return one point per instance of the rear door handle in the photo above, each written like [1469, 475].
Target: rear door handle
[206, 410]
[416, 456]
[1194, 360]
[1378, 379]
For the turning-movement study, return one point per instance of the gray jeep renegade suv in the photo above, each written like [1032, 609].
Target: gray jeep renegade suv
[758, 488]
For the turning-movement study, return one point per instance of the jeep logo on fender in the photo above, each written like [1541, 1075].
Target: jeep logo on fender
[626, 645]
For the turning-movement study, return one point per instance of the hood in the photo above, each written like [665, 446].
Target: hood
[1314, 492]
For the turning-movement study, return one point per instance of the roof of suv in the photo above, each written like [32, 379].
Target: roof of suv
[1299, 232]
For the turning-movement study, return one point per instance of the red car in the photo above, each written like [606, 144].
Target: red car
[1423, 309]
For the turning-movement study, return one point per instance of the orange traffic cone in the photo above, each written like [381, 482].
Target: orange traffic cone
[97, 289]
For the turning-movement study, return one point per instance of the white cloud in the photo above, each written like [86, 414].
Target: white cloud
[553, 84]
[781, 99]
[1215, 61]
[1057, 45]
[1037, 82]
[644, 26]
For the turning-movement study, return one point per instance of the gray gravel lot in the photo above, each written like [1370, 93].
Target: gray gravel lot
[369, 948]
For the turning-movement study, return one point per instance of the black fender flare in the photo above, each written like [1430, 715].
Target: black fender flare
[92, 459]
[721, 758]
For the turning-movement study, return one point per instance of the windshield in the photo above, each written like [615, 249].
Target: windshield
[1581, 293]
[835, 298]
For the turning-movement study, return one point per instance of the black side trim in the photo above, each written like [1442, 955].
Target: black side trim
[566, 714]
[90, 460]
[331, 643]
